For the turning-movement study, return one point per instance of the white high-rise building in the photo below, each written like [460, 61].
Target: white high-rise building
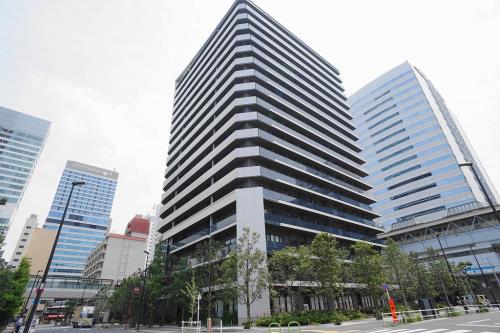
[413, 146]
[24, 239]
[22, 138]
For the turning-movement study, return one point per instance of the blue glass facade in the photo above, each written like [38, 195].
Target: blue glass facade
[21, 140]
[413, 145]
[88, 217]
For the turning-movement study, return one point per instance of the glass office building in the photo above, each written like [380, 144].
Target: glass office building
[21, 140]
[261, 137]
[413, 144]
[88, 217]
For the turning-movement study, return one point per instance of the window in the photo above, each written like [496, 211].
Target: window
[386, 128]
[419, 189]
[382, 95]
[26, 233]
[274, 238]
[395, 153]
[383, 120]
[389, 136]
[416, 202]
[376, 106]
[381, 112]
[18, 253]
[395, 143]
[408, 181]
[424, 212]
[404, 160]
[21, 246]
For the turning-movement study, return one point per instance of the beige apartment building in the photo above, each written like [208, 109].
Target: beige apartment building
[38, 249]
[119, 256]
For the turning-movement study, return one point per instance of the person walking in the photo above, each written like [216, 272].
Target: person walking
[19, 323]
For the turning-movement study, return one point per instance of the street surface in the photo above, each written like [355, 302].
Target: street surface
[473, 323]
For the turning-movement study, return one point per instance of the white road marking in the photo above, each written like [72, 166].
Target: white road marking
[477, 321]
[478, 325]
[435, 331]
[459, 331]
[416, 330]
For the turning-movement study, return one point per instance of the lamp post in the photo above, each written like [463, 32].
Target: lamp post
[39, 290]
[487, 285]
[198, 315]
[449, 267]
[495, 212]
[31, 291]
[142, 290]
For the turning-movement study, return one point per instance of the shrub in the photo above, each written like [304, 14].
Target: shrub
[310, 317]
[247, 325]
[455, 314]
[414, 319]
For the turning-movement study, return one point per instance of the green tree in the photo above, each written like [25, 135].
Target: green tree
[102, 301]
[191, 293]
[398, 270]
[125, 303]
[211, 254]
[247, 266]
[367, 270]
[12, 287]
[69, 308]
[289, 267]
[441, 278]
[424, 287]
[328, 266]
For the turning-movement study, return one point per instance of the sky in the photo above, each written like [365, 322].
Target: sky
[103, 73]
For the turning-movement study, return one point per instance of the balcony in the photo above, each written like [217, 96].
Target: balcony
[276, 219]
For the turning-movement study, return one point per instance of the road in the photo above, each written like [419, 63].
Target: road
[473, 323]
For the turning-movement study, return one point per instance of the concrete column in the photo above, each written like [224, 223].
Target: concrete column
[250, 213]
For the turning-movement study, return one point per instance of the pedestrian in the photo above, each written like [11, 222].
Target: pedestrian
[19, 323]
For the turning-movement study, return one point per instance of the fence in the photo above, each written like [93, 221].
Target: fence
[428, 314]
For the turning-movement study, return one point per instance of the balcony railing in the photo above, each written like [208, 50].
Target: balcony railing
[276, 219]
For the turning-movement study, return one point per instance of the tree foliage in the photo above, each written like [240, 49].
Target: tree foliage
[247, 263]
[12, 287]
[367, 270]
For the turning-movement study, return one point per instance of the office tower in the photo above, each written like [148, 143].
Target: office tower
[261, 137]
[21, 140]
[119, 256]
[413, 144]
[24, 239]
[87, 220]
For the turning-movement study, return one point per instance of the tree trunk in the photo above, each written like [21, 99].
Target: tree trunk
[248, 312]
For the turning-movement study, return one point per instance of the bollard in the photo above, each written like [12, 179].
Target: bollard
[209, 325]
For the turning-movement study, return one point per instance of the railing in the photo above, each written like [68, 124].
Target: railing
[205, 232]
[274, 218]
[429, 314]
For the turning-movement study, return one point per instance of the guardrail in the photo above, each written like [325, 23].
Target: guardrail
[429, 314]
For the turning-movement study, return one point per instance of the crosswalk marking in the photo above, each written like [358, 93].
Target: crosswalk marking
[436, 331]
[477, 321]
[459, 331]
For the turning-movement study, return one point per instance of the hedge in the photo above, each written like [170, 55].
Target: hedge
[310, 317]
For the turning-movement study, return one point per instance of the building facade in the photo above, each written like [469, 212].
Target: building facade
[38, 249]
[24, 240]
[88, 217]
[22, 138]
[413, 146]
[467, 230]
[262, 137]
[119, 256]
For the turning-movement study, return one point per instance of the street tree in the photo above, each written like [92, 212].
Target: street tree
[328, 266]
[12, 287]
[191, 293]
[367, 270]
[210, 254]
[290, 267]
[247, 266]
[441, 278]
[398, 270]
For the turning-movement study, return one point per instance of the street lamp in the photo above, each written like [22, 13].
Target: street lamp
[142, 290]
[493, 208]
[449, 267]
[487, 285]
[29, 296]
[39, 290]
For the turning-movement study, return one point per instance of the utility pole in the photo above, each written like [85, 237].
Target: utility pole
[39, 290]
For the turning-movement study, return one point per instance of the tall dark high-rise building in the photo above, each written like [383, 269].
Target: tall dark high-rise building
[262, 137]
